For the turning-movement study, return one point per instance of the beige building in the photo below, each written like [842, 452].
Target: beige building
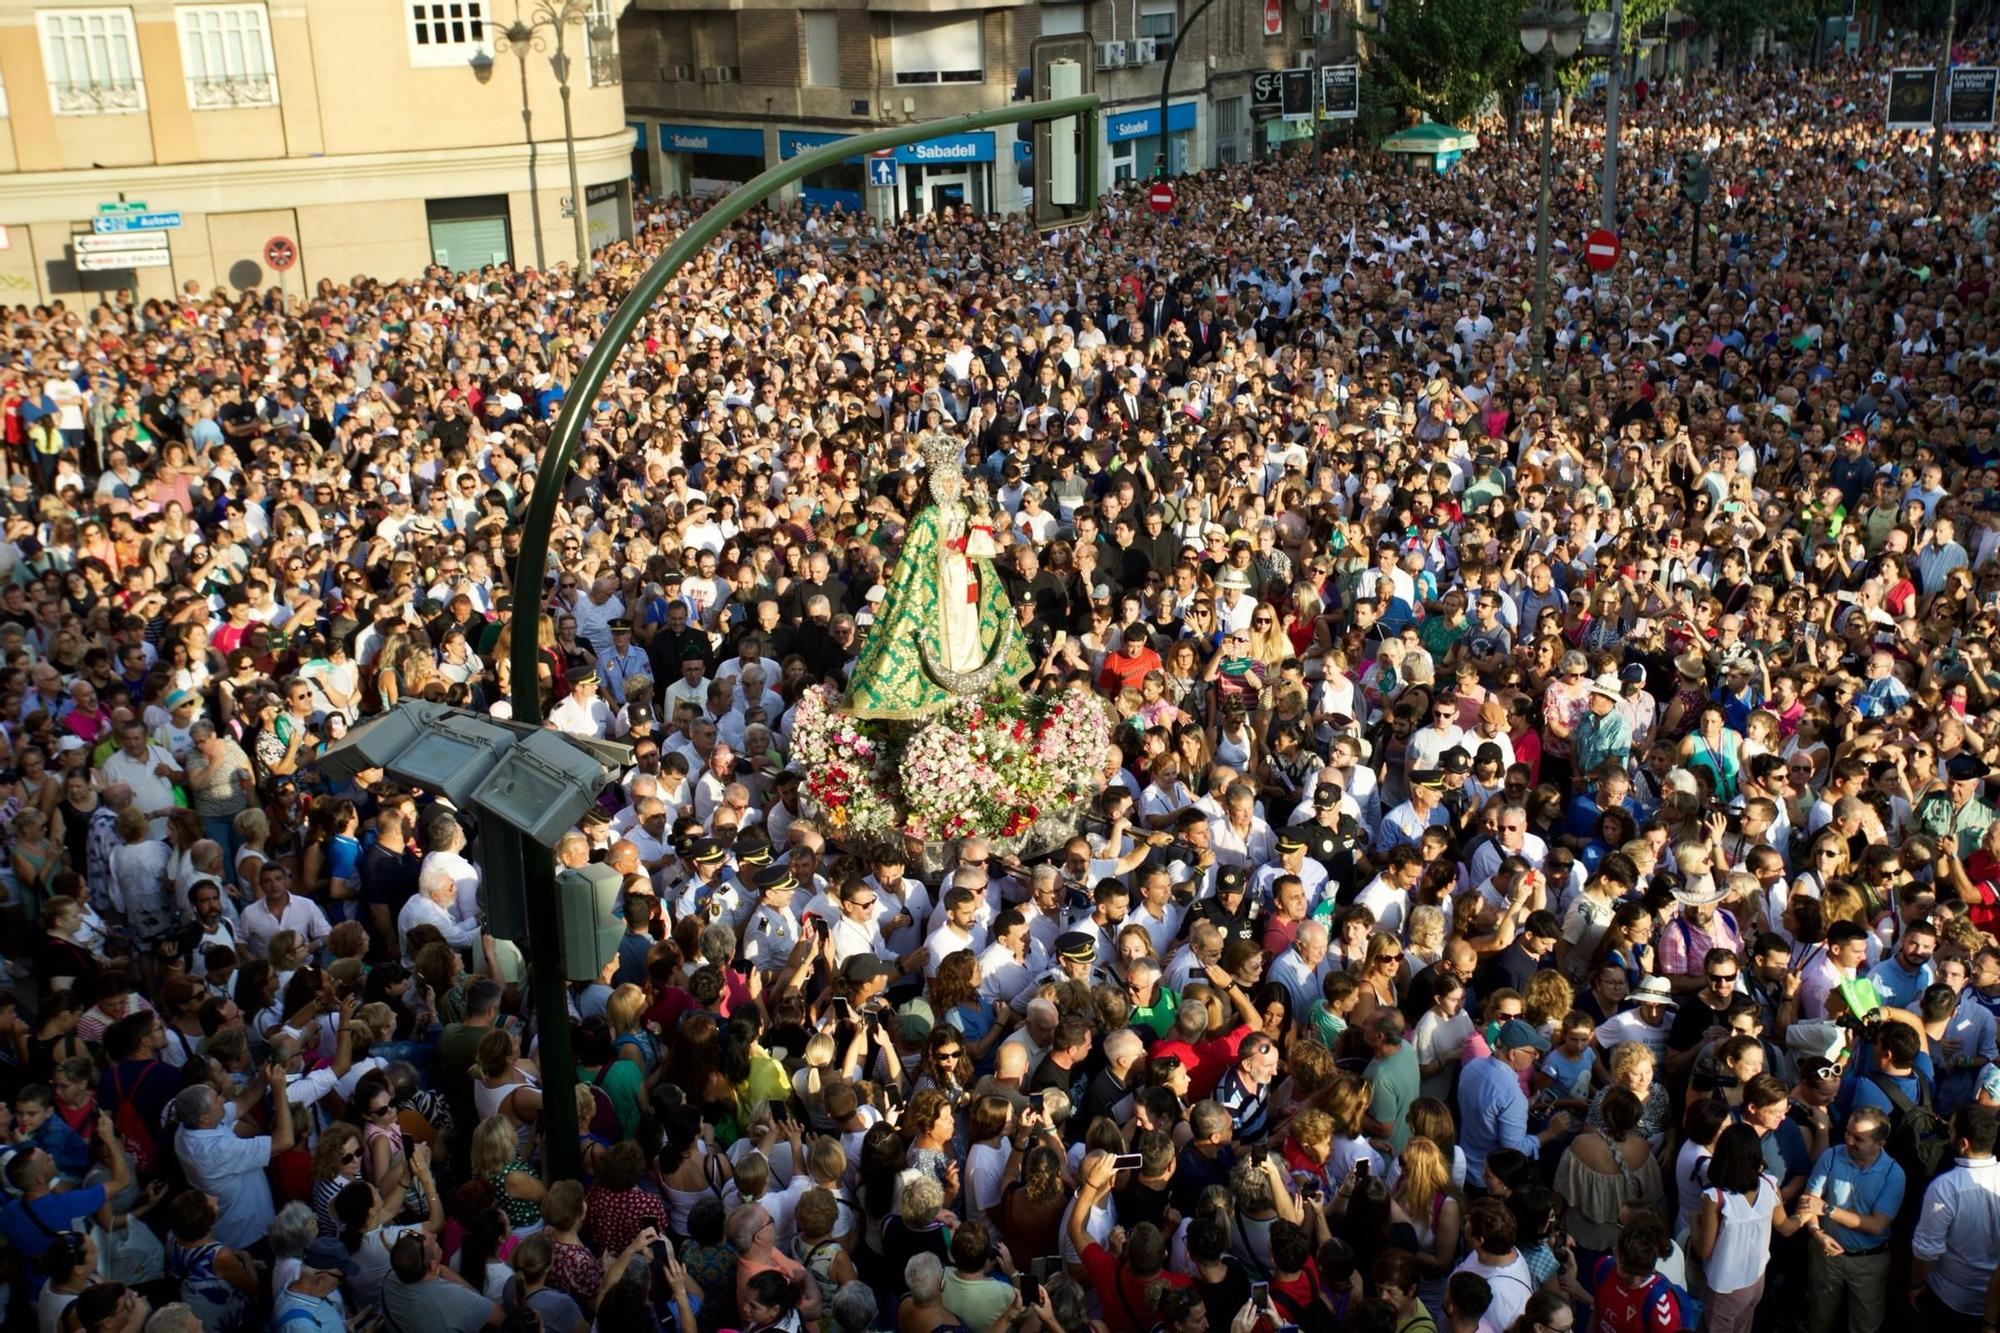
[348, 136]
[721, 89]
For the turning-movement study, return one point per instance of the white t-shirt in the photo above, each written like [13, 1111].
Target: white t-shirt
[1512, 1283]
[1629, 1026]
[1436, 1034]
[985, 1164]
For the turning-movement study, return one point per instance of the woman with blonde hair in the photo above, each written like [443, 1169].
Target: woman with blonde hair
[1426, 933]
[496, 1159]
[625, 1012]
[1423, 1199]
[814, 1073]
[1269, 644]
[1381, 968]
[1633, 1068]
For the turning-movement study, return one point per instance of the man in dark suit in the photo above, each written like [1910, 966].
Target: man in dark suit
[1205, 333]
[1159, 310]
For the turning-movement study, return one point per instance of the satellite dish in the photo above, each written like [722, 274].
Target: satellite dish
[1597, 28]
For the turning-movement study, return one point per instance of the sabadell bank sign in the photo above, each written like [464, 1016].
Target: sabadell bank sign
[1132, 129]
[945, 152]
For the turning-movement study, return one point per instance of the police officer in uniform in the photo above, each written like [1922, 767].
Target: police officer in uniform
[1461, 794]
[1333, 840]
[1075, 960]
[712, 891]
[625, 660]
[583, 713]
[1292, 860]
[775, 934]
[1232, 909]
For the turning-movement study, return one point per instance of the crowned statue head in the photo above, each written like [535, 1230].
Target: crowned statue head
[944, 456]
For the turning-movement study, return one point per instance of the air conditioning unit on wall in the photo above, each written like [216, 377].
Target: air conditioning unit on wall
[1110, 55]
[677, 73]
[1144, 51]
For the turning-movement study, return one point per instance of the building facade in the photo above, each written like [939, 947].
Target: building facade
[717, 90]
[293, 140]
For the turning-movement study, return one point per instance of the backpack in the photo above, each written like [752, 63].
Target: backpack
[132, 1126]
[1691, 1309]
[1919, 1139]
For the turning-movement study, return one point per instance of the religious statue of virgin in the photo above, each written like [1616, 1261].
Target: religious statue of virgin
[946, 628]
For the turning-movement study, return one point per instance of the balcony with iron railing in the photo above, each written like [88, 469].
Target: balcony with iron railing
[224, 92]
[98, 97]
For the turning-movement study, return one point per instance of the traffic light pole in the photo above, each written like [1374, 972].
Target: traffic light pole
[551, 992]
[1940, 108]
[1166, 170]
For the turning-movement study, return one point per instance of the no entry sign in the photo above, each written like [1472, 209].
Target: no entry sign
[1600, 249]
[1161, 197]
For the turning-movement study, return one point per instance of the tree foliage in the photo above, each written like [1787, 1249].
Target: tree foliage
[1446, 57]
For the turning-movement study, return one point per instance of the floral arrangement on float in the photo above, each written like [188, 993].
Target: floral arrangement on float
[1006, 766]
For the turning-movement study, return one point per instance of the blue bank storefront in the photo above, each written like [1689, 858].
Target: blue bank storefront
[953, 171]
[709, 159]
[1132, 140]
[839, 186]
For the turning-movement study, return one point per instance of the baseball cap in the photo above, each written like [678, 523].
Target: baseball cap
[1516, 1033]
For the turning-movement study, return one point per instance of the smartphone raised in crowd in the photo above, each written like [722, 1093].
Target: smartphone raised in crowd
[1127, 1161]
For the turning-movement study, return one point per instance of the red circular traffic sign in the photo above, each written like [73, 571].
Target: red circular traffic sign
[1161, 197]
[1600, 249]
[280, 253]
[1274, 18]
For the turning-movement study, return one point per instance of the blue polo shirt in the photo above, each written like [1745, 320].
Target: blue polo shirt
[1879, 1189]
[1866, 1093]
[1785, 1153]
[1898, 986]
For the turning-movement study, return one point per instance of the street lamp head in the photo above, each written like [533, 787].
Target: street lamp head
[1565, 32]
[1534, 30]
[482, 65]
[518, 32]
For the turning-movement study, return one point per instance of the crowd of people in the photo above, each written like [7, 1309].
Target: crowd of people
[1546, 873]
